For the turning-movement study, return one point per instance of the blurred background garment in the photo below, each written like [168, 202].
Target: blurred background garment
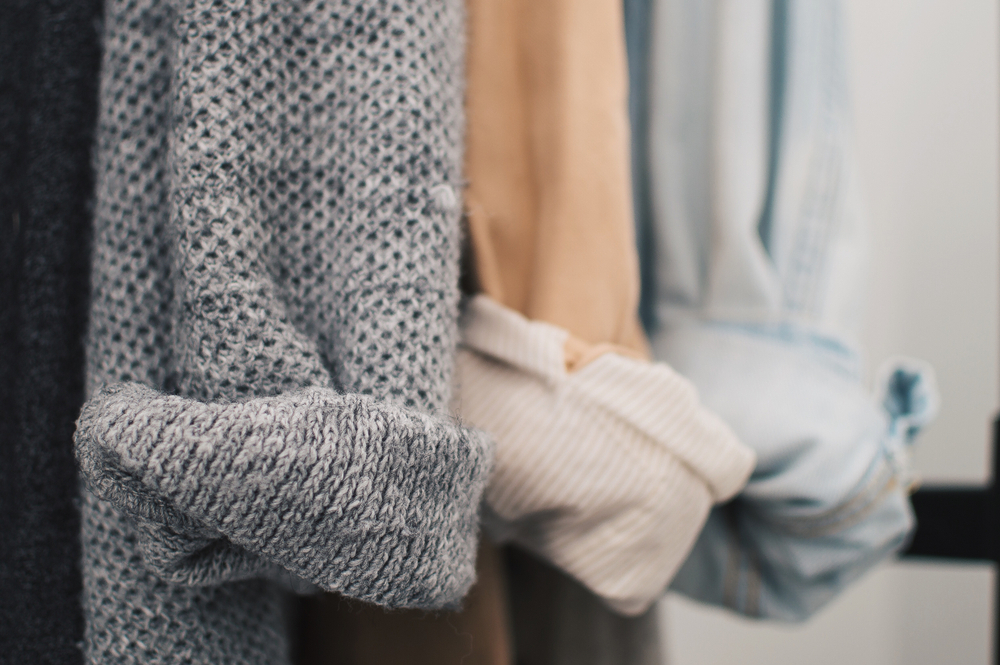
[49, 60]
[549, 210]
[605, 469]
[757, 241]
[547, 163]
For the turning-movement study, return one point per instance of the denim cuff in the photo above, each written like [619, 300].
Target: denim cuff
[828, 499]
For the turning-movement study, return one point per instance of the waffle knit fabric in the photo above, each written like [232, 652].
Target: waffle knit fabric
[271, 343]
[49, 59]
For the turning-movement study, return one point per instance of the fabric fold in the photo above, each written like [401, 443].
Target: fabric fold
[376, 502]
[828, 499]
[607, 472]
[760, 253]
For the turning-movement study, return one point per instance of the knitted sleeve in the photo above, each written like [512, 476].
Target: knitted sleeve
[276, 254]
[368, 499]
[313, 157]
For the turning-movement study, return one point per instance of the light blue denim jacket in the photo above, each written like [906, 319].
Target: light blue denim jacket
[753, 246]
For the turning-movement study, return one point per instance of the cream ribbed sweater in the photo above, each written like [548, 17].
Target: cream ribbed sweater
[609, 471]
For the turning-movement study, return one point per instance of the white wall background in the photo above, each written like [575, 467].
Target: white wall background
[926, 85]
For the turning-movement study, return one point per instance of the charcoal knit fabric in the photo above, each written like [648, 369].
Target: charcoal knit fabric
[276, 263]
[49, 59]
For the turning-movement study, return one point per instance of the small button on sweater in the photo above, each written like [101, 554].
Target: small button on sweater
[273, 323]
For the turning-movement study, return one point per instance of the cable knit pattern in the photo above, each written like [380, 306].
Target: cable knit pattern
[276, 254]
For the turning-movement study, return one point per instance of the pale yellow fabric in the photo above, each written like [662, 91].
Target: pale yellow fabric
[547, 163]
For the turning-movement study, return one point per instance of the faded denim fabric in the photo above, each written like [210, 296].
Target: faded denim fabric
[754, 240]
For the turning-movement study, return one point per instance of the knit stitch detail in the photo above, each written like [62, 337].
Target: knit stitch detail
[269, 218]
[374, 501]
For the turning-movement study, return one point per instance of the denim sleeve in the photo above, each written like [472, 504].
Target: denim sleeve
[755, 236]
[828, 498]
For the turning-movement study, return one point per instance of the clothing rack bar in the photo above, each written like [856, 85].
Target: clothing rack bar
[959, 523]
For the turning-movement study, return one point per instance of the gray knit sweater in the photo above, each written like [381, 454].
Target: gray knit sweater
[273, 322]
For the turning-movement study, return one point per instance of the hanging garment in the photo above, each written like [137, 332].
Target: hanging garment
[558, 621]
[638, 32]
[759, 255]
[273, 324]
[550, 222]
[545, 151]
[49, 59]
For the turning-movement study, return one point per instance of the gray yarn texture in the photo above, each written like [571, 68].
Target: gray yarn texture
[273, 323]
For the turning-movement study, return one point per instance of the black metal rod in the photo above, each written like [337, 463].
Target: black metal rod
[962, 523]
[952, 524]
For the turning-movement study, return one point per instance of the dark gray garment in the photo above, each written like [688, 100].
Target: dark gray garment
[276, 263]
[49, 59]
